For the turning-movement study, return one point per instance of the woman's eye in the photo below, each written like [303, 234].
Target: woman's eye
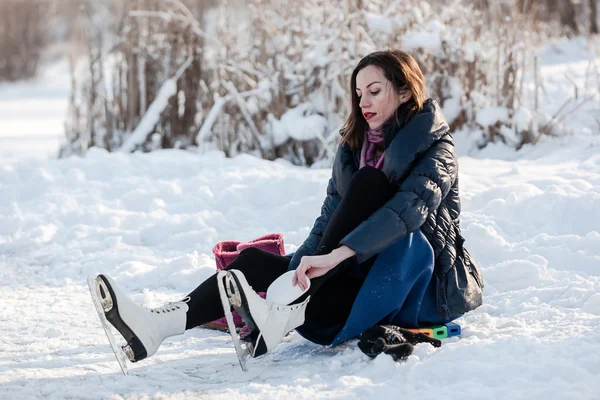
[372, 94]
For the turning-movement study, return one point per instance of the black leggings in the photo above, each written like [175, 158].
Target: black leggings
[368, 190]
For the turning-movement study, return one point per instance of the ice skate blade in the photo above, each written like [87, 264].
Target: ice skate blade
[113, 316]
[129, 352]
[105, 299]
[256, 346]
[235, 299]
[97, 301]
[223, 283]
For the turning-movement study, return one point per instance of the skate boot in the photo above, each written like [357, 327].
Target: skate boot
[268, 320]
[143, 328]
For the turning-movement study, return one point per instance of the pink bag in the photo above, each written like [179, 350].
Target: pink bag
[226, 252]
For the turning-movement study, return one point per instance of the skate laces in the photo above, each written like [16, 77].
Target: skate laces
[171, 306]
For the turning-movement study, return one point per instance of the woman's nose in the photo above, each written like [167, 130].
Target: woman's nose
[363, 102]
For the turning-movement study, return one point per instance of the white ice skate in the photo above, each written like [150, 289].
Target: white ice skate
[268, 320]
[144, 329]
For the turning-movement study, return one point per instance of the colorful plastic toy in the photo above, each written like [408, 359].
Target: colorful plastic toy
[439, 332]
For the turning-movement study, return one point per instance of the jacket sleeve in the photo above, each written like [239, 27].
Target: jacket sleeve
[314, 238]
[420, 193]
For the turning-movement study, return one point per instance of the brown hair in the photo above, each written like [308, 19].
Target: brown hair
[401, 69]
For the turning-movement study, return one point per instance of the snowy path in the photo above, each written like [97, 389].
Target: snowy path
[151, 220]
[32, 114]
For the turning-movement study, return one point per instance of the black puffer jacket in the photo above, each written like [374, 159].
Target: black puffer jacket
[420, 159]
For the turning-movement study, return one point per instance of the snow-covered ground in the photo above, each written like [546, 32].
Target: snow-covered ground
[150, 220]
[32, 114]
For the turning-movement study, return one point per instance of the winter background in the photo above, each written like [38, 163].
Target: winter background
[149, 219]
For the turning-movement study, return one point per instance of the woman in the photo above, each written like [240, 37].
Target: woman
[386, 249]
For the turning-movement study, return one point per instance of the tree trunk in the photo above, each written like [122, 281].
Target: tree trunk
[594, 16]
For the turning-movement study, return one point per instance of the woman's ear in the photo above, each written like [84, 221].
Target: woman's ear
[405, 96]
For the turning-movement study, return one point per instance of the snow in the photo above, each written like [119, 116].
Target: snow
[299, 123]
[522, 118]
[592, 305]
[150, 220]
[428, 39]
[565, 51]
[379, 23]
[490, 115]
[452, 106]
[32, 114]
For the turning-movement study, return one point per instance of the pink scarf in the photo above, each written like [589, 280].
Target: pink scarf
[372, 142]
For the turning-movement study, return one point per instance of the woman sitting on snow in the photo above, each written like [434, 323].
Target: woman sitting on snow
[386, 249]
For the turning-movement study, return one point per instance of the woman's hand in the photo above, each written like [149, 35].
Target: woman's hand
[314, 266]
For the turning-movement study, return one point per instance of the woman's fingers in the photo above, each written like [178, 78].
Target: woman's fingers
[303, 278]
[298, 278]
[308, 270]
[305, 271]
[297, 273]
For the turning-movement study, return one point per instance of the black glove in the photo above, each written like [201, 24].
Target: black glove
[392, 340]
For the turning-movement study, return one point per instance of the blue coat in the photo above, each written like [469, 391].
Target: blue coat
[420, 159]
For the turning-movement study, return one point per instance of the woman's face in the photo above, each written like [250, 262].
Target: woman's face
[378, 98]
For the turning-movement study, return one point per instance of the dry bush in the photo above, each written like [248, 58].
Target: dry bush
[23, 29]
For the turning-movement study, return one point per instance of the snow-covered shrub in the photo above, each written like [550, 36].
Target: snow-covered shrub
[132, 95]
[271, 77]
[475, 61]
